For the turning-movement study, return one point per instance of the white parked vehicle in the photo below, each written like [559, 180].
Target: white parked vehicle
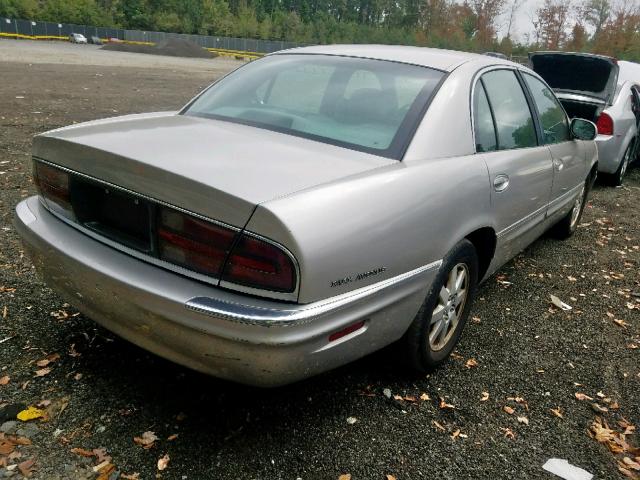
[77, 38]
[603, 90]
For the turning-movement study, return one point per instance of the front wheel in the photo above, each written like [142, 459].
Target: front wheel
[569, 223]
[437, 327]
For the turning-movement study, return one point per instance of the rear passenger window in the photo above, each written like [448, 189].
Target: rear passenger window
[485, 131]
[552, 117]
[514, 122]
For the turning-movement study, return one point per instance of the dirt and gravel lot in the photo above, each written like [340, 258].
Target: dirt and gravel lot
[519, 352]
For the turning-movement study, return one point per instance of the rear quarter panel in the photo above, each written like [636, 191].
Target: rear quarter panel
[396, 218]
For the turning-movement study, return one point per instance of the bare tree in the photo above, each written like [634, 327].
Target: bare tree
[551, 23]
[486, 13]
[596, 13]
[513, 9]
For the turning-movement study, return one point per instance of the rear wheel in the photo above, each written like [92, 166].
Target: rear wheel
[568, 225]
[437, 327]
[617, 178]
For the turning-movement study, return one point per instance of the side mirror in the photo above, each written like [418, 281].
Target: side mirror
[583, 129]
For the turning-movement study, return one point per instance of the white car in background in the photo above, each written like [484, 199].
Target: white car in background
[77, 38]
[604, 91]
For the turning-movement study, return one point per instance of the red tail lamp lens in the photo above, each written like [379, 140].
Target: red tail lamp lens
[605, 124]
[259, 264]
[193, 243]
[53, 184]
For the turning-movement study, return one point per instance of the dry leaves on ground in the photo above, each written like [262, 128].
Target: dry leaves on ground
[626, 455]
[146, 440]
[163, 462]
[557, 412]
[27, 467]
[472, 362]
[5, 380]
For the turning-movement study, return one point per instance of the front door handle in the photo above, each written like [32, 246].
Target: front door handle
[501, 182]
[558, 164]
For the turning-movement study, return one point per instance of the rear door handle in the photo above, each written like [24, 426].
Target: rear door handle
[501, 182]
[558, 164]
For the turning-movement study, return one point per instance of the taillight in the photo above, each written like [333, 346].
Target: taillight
[203, 247]
[53, 185]
[260, 264]
[605, 124]
[193, 243]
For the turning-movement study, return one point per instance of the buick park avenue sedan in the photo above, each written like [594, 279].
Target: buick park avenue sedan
[307, 209]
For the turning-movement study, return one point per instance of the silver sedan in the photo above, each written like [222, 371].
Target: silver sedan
[309, 208]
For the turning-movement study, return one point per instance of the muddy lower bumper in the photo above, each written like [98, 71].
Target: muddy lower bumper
[227, 335]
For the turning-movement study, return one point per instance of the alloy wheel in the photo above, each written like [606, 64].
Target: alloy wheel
[448, 310]
[577, 207]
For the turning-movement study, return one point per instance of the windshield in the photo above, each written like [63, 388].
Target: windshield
[367, 105]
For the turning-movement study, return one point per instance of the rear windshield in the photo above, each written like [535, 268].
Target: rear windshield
[574, 72]
[367, 105]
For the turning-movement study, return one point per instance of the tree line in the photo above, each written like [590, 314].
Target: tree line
[598, 26]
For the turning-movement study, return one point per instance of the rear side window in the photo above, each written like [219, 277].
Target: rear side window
[552, 117]
[485, 131]
[514, 122]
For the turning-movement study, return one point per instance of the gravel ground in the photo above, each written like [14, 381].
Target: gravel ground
[102, 391]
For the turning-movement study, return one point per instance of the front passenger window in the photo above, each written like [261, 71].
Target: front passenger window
[514, 122]
[552, 117]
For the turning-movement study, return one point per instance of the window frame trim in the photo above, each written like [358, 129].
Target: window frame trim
[541, 133]
[477, 77]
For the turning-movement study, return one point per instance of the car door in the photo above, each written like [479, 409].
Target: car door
[569, 164]
[520, 168]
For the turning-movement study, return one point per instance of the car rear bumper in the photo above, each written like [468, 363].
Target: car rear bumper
[610, 151]
[221, 333]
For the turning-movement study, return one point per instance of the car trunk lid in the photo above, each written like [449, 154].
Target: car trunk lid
[592, 77]
[217, 169]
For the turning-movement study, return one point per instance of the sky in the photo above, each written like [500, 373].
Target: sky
[522, 20]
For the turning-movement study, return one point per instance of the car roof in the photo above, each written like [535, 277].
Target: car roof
[446, 60]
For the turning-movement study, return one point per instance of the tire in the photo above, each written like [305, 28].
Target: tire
[424, 347]
[569, 223]
[616, 179]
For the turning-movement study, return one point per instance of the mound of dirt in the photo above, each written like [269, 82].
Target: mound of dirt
[173, 47]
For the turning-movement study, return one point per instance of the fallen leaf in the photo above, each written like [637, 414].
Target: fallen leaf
[351, 420]
[6, 447]
[130, 476]
[582, 396]
[560, 304]
[4, 380]
[105, 471]
[557, 412]
[485, 396]
[172, 437]
[146, 440]
[42, 372]
[26, 468]
[345, 476]
[444, 404]
[524, 420]
[82, 452]
[424, 397]
[390, 477]
[508, 433]
[31, 413]
[101, 455]
[508, 409]
[163, 462]
[599, 408]
[100, 466]
[438, 426]
[620, 323]
[410, 399]
[472, 362]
